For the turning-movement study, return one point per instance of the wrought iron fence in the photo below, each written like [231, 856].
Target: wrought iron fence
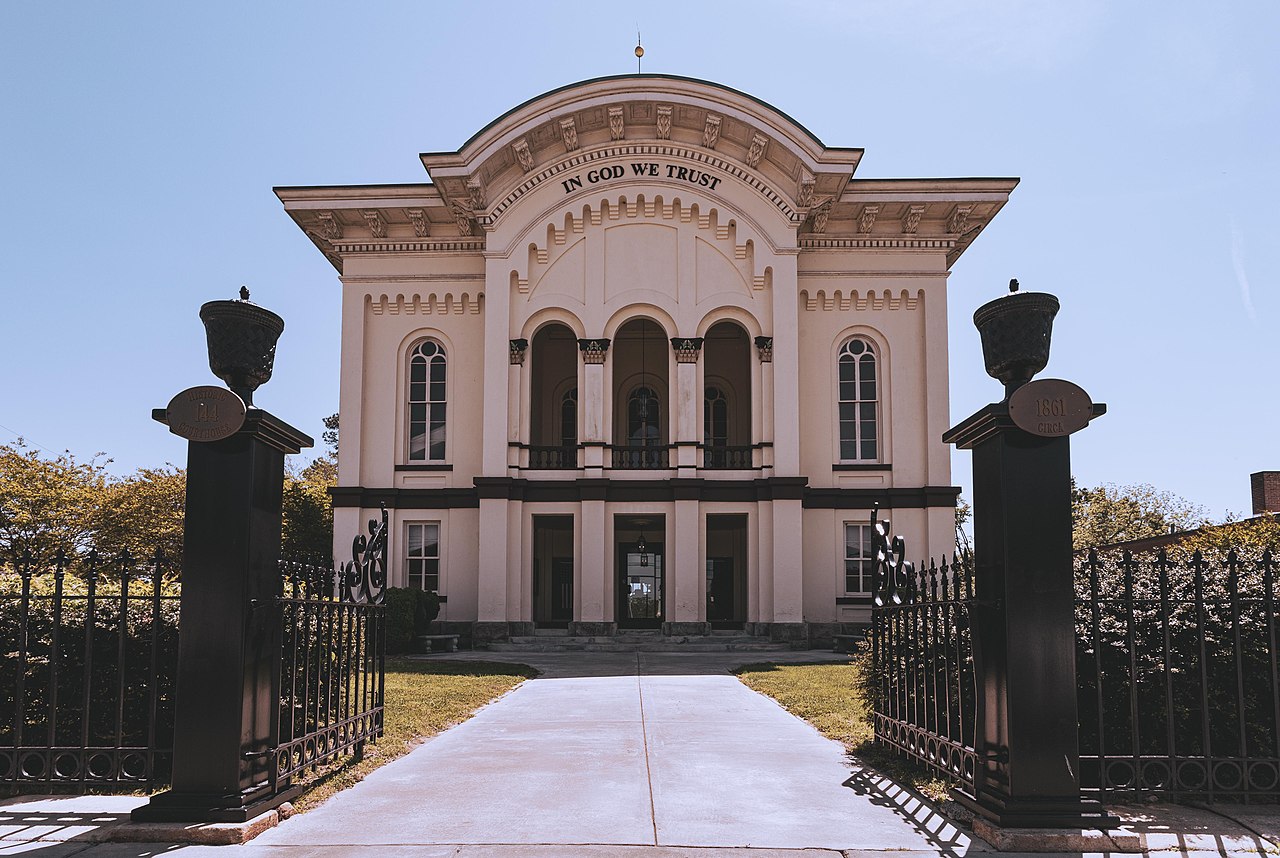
[333, 664]
[727, 457]
[1177, 669]
[922, 659]
[87, 666]
[639, 457]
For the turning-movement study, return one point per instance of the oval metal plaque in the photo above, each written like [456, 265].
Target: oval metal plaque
[205, 413]
[1050, 407]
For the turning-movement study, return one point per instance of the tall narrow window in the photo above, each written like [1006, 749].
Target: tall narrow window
[859, 558]
[642, 418]
[569, 418]
[715, 416]
[426, 402]
[858, 402]
[422, 557]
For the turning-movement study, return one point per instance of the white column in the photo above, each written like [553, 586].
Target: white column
[685, 582]
[686, 423]
[788, 554]
[786, 366]
[350, 381]
[497, 375]
[765, 562]
[765, 409]
[492, 578]
[594, 426]
[517, 540]
[595, 566]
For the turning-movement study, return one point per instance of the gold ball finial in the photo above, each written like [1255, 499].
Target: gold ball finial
[639, 52]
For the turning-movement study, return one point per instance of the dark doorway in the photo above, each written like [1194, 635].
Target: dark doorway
[553, 570]
[641, 586]
[727, 571]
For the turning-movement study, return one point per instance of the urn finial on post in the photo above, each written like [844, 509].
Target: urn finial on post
[1016, 330]
[242, 343]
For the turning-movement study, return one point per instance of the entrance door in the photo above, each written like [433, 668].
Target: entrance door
[727, 571]
[552, 577]
[720, 601]
[640, 587]
[561, 589]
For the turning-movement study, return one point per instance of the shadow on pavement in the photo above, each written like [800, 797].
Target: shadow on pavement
[916, 811]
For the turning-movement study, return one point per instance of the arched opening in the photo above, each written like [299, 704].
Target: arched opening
[553, 406]
[726, 425]
[640, 386]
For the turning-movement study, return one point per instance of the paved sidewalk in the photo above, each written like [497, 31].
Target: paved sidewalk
[608, 756]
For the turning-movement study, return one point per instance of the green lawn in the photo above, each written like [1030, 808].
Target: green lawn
[423, 698]
[829, 696]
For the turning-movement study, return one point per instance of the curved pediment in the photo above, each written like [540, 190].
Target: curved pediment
[695, 131]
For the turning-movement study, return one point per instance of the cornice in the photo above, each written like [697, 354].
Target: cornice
[851, 299]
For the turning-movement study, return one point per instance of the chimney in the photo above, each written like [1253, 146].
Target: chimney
[1266, 491]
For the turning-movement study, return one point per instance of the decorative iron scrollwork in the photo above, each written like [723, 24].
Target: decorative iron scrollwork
[366, 574]
[891, 575]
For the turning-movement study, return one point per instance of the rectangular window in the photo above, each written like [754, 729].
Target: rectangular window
[859, 558]
[422, 557]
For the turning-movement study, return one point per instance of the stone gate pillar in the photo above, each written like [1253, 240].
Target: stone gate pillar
[1026, 737]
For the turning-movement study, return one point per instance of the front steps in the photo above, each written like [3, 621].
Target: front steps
[558, 640]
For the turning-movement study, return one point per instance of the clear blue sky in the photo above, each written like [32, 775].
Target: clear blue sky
[141, 141]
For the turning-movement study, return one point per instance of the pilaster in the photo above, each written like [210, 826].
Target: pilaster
[786, 367]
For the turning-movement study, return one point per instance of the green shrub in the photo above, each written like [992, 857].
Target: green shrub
[401, 604]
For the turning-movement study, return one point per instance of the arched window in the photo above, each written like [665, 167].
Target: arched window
[715, 418]
[426, 402]
[643, 411]
[859, 398]
[569, 418]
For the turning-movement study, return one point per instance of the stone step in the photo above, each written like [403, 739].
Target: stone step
[638, 642]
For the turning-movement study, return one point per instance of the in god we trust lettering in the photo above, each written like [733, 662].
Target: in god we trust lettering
[650, 169]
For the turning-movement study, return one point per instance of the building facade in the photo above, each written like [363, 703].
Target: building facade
[644, 354]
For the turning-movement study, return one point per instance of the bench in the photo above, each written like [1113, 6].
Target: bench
[436, 643]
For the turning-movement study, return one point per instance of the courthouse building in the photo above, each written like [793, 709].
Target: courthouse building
[643, 354]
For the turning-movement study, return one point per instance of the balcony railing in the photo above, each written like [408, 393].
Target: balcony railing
[726, 457]
[553, 458]
[640, 457]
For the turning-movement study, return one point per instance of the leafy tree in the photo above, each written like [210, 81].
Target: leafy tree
[1111, 513]
[308, 507]
[144, 512]
[1248, 538]
[47, 505]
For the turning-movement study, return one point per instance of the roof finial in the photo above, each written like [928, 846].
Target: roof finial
[1013, 285]
[244, 293]
[639, 50]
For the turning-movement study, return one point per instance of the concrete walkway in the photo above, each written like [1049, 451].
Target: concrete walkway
[605, 756]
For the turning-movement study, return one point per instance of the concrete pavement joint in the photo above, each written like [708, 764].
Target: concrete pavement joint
[644, 736]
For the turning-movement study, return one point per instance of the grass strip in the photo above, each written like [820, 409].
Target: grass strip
[830, 697]
[423, 698]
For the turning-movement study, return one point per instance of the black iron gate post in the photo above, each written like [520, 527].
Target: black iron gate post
[227, 703]
[1028, 773]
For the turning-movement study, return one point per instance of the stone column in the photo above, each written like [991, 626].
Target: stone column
[491, 585]
[517, 419]
[1023, 627]
[764, 406]
[687, 405]
[787, 622]
[595, 567]
[227, 706]
[685, 577]
[591, 435]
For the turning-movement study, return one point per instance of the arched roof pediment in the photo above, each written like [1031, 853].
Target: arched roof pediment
[674, 122]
